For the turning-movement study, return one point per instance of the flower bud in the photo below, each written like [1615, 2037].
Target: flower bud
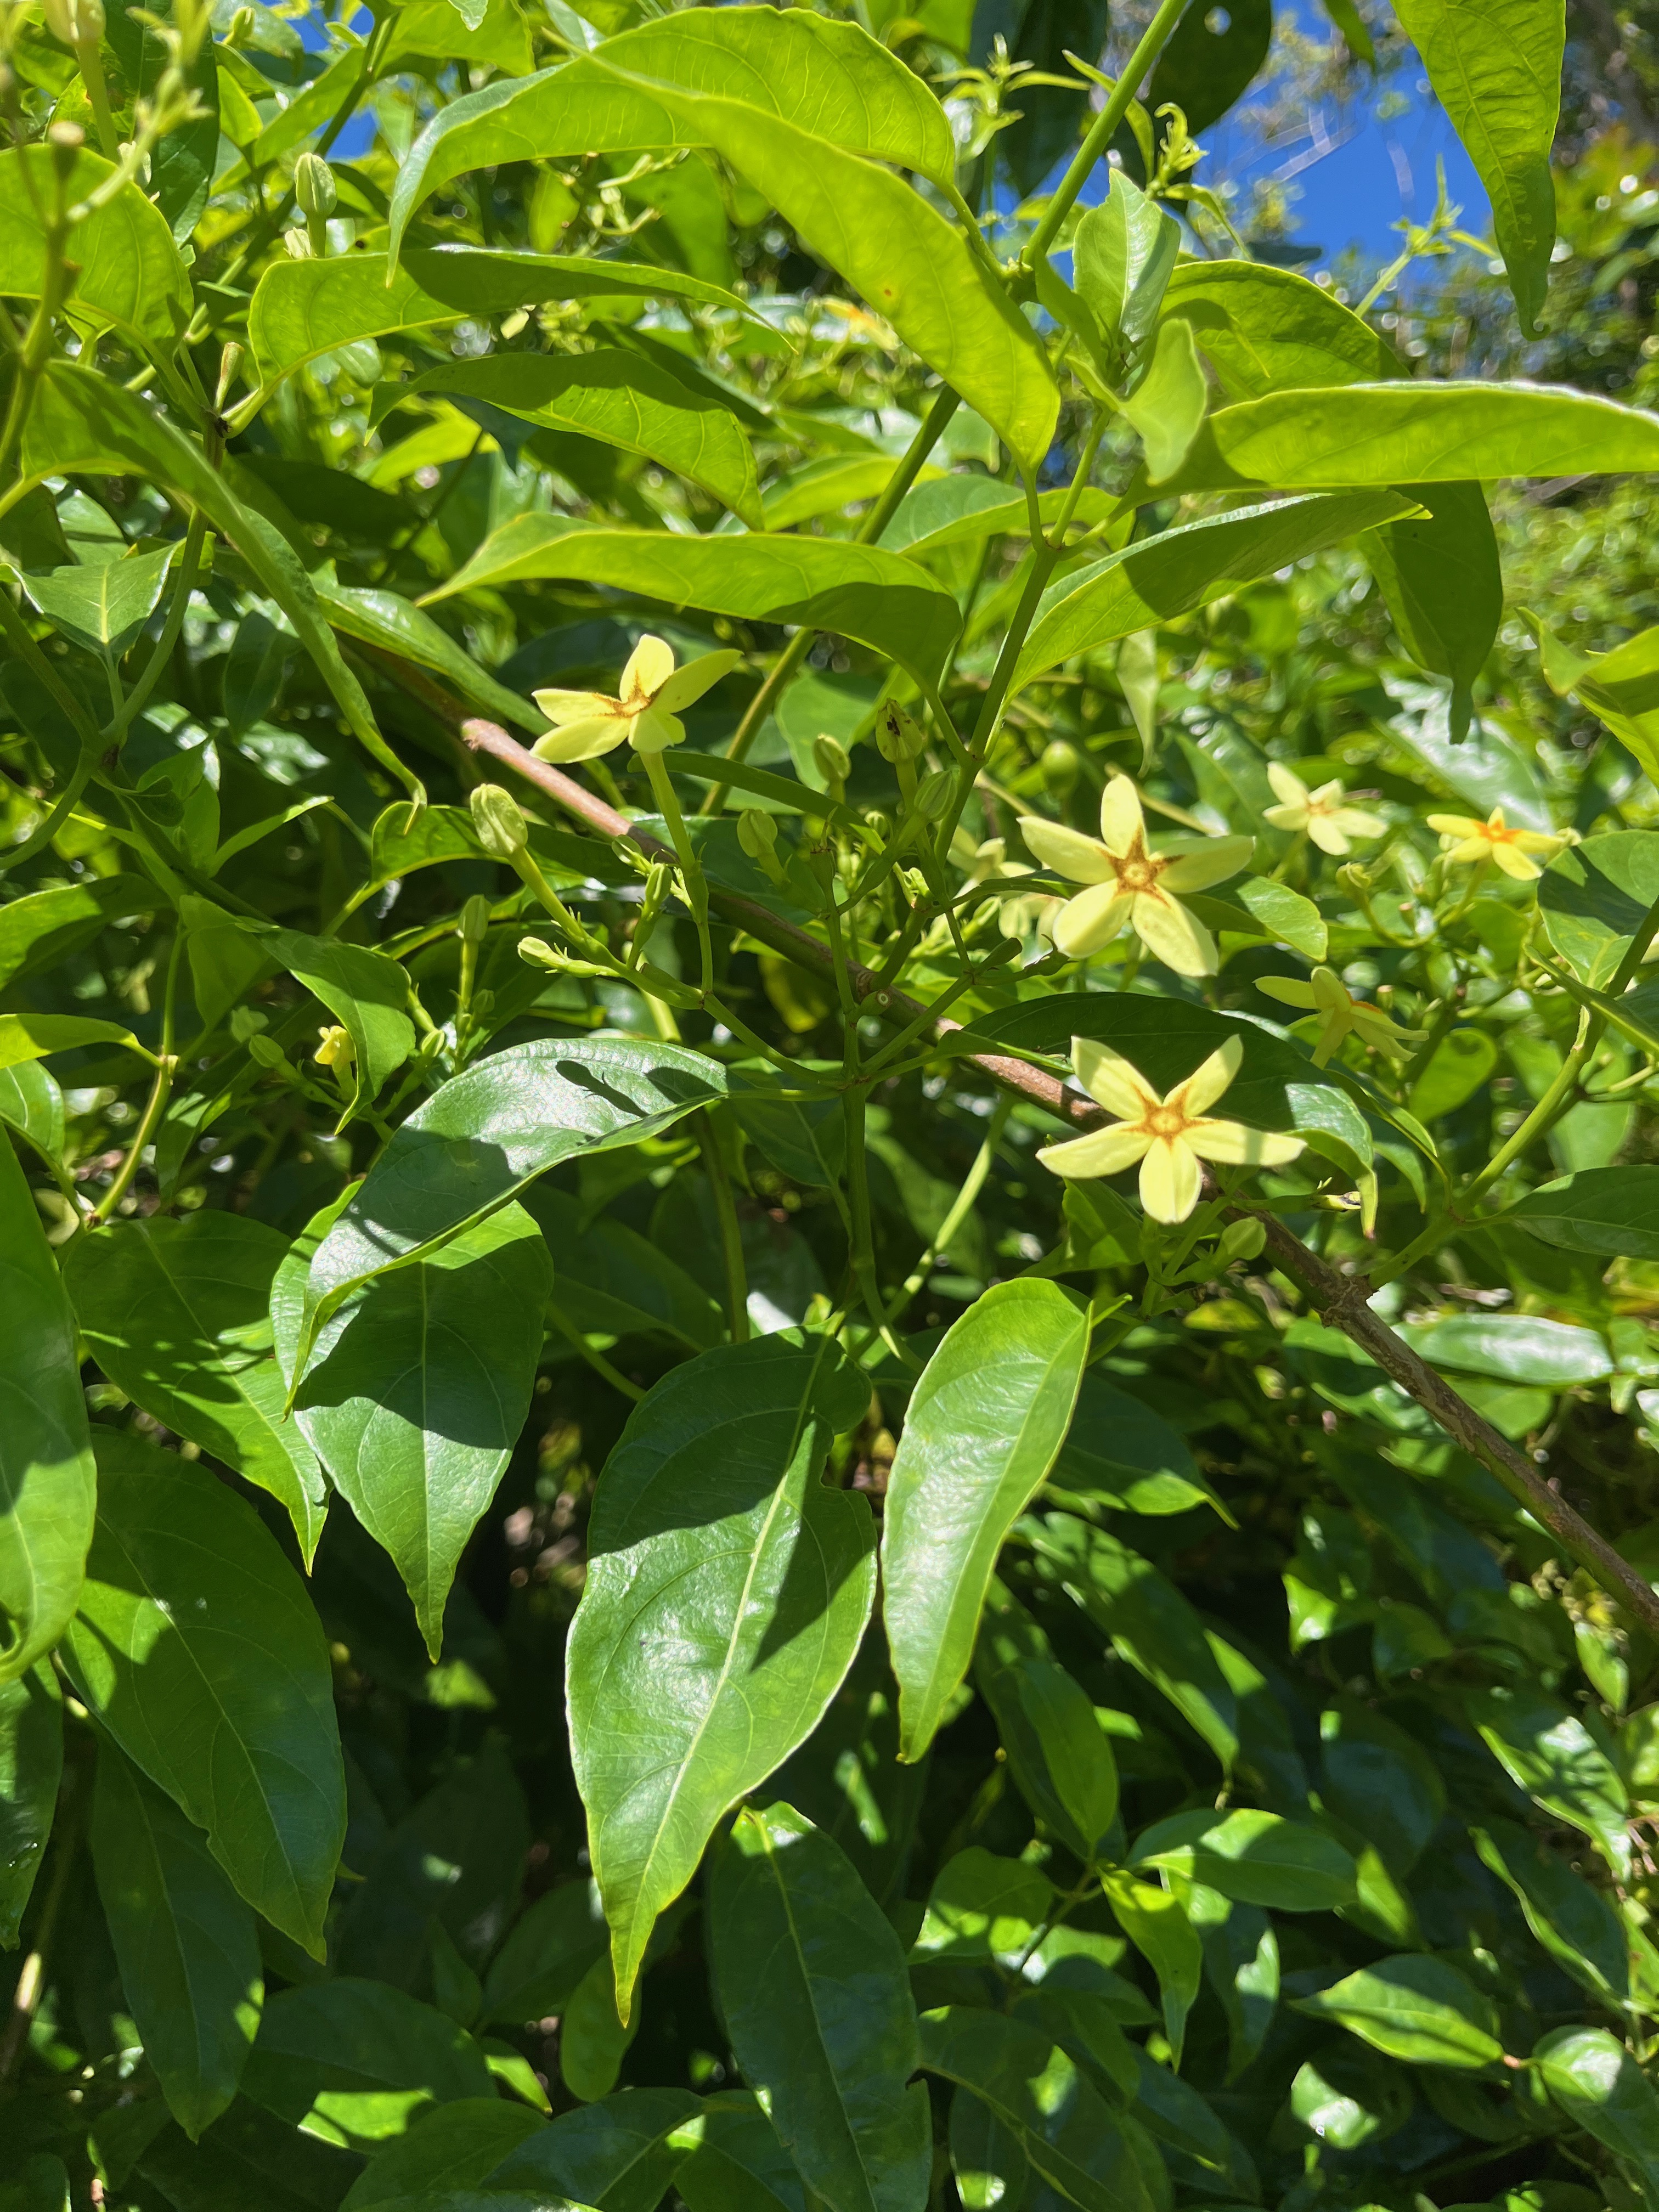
[298, 245]
[1241, 1240]
[757, 833]
[499, 820]
[1060, 769]
[267, 1052]
[914, 884]
[337, 1048]
[934, 794]
[831, 759]
[541, 954]
[314, 188]
[475, 918]
[241, 28]
[76, 22]
[899, 736]
[65, 140]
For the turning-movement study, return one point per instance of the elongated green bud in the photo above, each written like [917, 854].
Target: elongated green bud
[933, 795]
[832, 760]
[499, 820]
[757, 833]
[314, 188]
[899, 736]
[475, 919]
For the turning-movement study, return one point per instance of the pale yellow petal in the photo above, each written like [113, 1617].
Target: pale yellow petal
[1111, 1080]
[563, 707]
[1535, 841]
[1172, 935]
[1081, 860]
[1197, 866]
[1101, 1153]
[1170, 1179]
[1377, 1029]
[1286, 817]
[1207, 1081]
[653, 731]
[1236, 1147]
[1472, 848]
[687, 685]
[1122, 824]
[1326, 832]
[1514, 863]
[1354, 822]
[581, 741]
[1457, 825]
[1090, 920]
[1289, 786]
[1289, 990]
[1329, 991]
[650, 665]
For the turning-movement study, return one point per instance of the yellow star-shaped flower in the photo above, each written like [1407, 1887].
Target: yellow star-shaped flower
[1130, 881]
[1168, 1136]
[1323, 815]
[1464, 839]
[645, 712]
[337, 1050]
[1325, 994]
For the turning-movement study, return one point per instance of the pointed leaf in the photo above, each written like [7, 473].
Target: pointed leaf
[103, 608]
[620, 2153]
[1575, 1924]
[31, 1767]
[1158, 1923]
[367, 992]
[1415, 2008]
[355, 2062]
[1125, 254]
[1260, 1858]
[130, 273]
[454, 2147]
[1597, 2082]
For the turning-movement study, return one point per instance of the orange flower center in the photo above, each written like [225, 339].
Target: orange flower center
[1166, 1121]
[1138, 871]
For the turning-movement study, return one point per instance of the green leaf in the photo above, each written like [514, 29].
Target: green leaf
[1168, 403]
[1414, 433]
[184, 1941]
[747, 1585]
[1125, 252]
[1603, 1210]
[31, 1766]
[812, 1982]
[1267, 329]
[175, 1313]
[1548, 1751]
[1618, 686]
[103, 608]
[391, 624]
[1284, 916]
[1496, 71]
[43, 927]
[620, 2153]
[1461, 1065]
[301, 309]
[622, 400]
[1066, 2131]
[1257, 1857]
[24, 1037]
[1575, 1924]
[1441, 577]
[32, 1103]
[1514, 1347]
[1597, 2082]
[985, 1423]
[545, 1955]
[484, 1134]
[1155, 1922]
[1415, 2008]
[983, 1907]
[609, 1278]
[1381, 1781]
[82, 423]
[857, 590]
[1061, 1756]
[738, 2165]
[182, 165]
[454, 2146]
[987, 2163]
[960, 510]
[1594, 897]
[354, 2062]
[1150, 1623]
[593, 2040]
[1118, 1454]
[197, 1650]
[416, 1391]
[130, 274]
[47, 1481]
[1156, 579]
[1211, 58]
[367, 992]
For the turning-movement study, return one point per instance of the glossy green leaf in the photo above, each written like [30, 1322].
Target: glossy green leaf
[738, 2163]
[175, 1312]
[103, 608]
[982, 1906]
[1061, 1756]
[1158, 578]
[621, 399]
[1415, 2008]
[546, 1954]
[1592, 898]
[620, 2154]
[1168, 404]
[1064, 2128]
[1267, 329]
[1596, 2081]
[1257, 1857]
[1514, 1347]
[301, 309]
[483, 1135]
[1157, 1923]
[198, 1648]
[1441, 577]
[130, 274]
[1575, 1924]
[984, 1425]
[1603, 1210]
[366, 992]
[42, 927]
[24, 1037]
[858, 591]
[416, 1389]
[354, 2063]
[1380, 1781]
[1120, 1455]
[747, 1584]
[987, 2163]
[454, 2146]
[611, 1278]
[381, 619]
[593, 2041]
[1124, 255]
[31, 1767]
[47, 1481]
[184, 1941]
[1553, 1754]
[32, 1104]
[1348, 2098]
[1496, 71]
[1149, 1622]
[812, 1982]
[960, 509]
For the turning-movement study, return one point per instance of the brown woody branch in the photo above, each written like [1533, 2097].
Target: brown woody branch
[1343, 1300]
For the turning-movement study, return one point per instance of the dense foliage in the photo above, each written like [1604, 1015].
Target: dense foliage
[829, 1273]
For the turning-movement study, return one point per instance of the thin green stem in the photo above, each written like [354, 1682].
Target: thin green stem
[43, 833]
[725, 1209]
[189, 567]
[596, 1360]
[697, 890]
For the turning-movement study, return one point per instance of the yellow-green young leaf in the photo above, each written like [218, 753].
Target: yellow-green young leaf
[1592, 898]
[1620, 687]
[955, 510]
[31, 1767]
[622, 400]
[356, 2061]
[416, 1390]
[301, 309]
[198, 1648]
[1259, 1858]
[1156, 1923]
[43, 927]
[81, 422]
[1162, 577]
[727, 1589]
[1598, 2084]
[24, 1037]
[985, 1425]
[453, 2148]
[175, 1313]
[1124, 257]
[1414, 433]
[368, 994]
[47, 1483]
[812, 1986]
[184, 1941]
[483, 1135]
[823, 487]
[381, 618]
[856, 591]
[1496, 69]
[1070, 2137]
[1168, 404]
[1415, 2008]
[103, 607]
[130, 274]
